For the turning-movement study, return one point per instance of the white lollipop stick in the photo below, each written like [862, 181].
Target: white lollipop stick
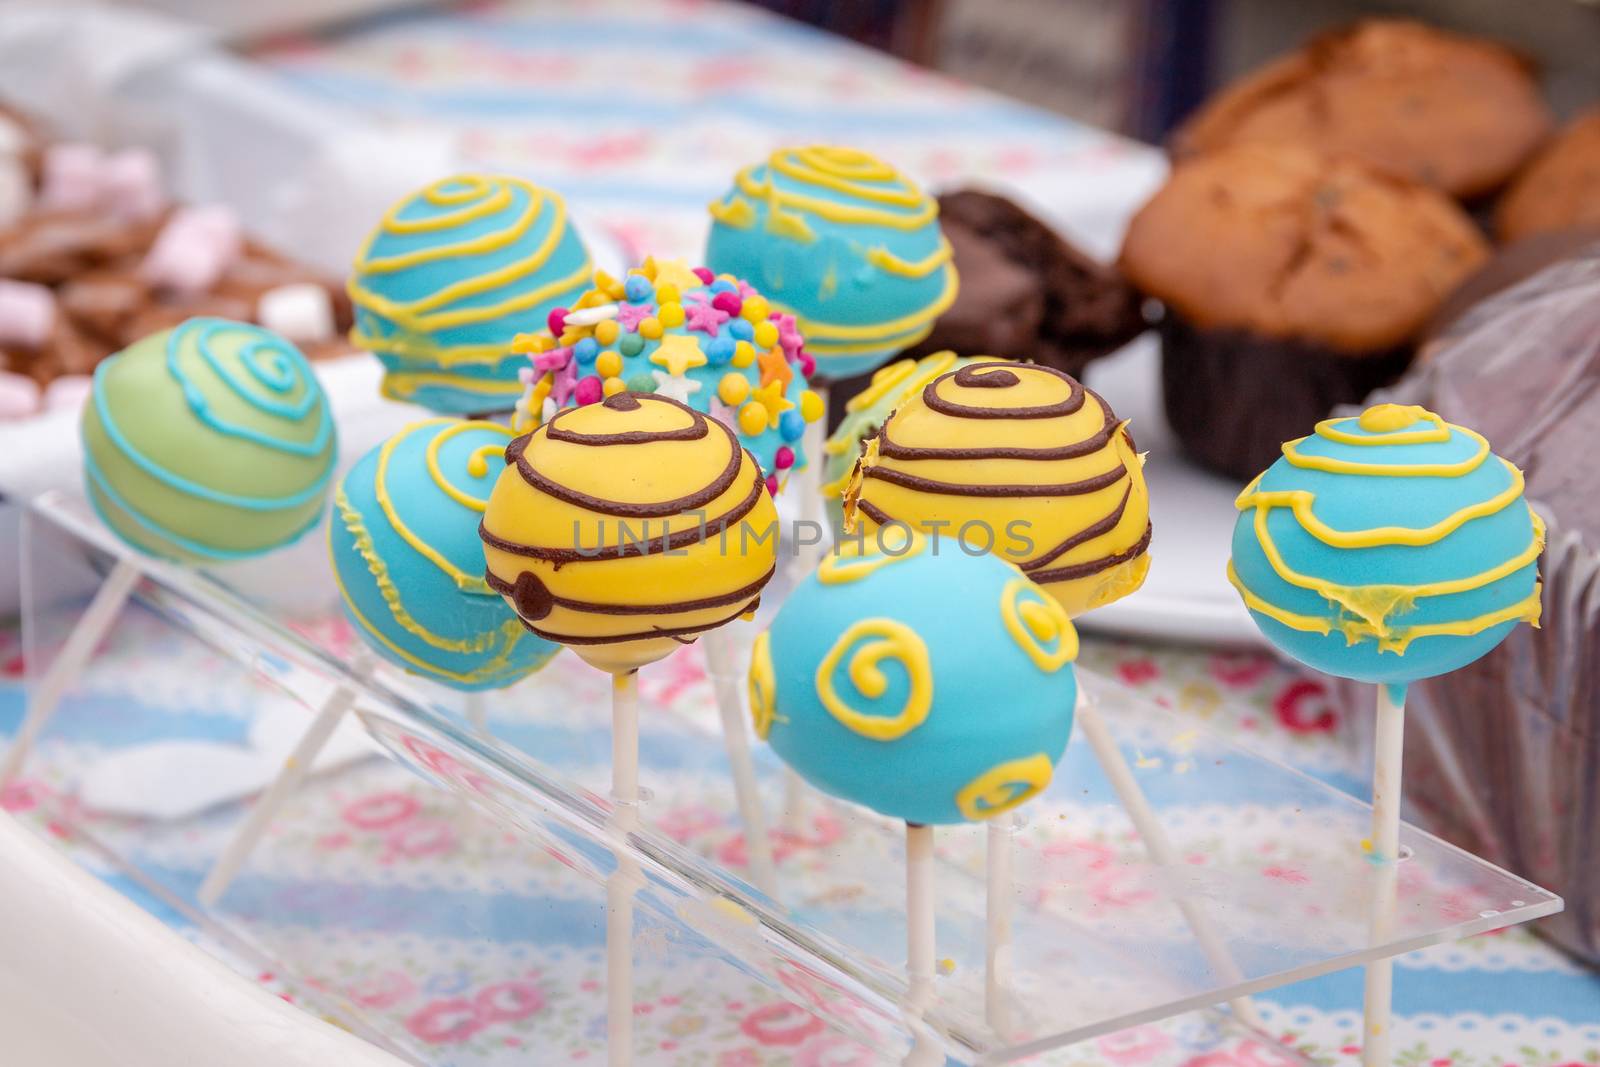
[720, 661]
[296, 766]
[46, 696]
[925, 1050]
[794, 803]
[998, 899]
[624, 881]
[1378, 998]
[812, 508]
[1137, 805]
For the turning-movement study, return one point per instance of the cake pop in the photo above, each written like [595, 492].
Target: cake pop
[208, 442]
[454, 272]
[1387, 547]
[713, 343]
[1021, 460]
[409, 564]
[876, 681]
[842, 241]
[628, 528]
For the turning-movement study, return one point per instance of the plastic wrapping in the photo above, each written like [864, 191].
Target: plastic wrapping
[1503, 756]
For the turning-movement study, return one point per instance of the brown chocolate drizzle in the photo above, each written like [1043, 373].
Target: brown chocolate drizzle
[973, 376]
[623, 402]
[627, 547]
[513, 589]
[1088, 533]
[644, 635]
[929, 485]
[531, 596]
[696, 429]
[888, 448]
[1093, 566]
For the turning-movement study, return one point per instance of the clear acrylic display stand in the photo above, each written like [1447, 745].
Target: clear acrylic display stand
[1099, 943]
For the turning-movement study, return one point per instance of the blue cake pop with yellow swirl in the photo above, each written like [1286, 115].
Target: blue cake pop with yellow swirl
[934, 687]
[1388, 547]
[409, 564]
[845, 243]
[454, 272]
[208, 442]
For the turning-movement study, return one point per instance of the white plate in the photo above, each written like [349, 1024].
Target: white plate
[1187, 596]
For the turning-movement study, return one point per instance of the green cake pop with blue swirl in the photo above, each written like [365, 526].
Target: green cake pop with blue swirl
[451, 276]
[843, 242]
[1388, 547]
[931, 687]
[208, 442]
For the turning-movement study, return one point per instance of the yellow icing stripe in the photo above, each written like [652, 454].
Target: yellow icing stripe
[853, 562]
[483, 243]
[890, 639]
[1399, 639]
[1001, 788]
[886, 260]
[477, 462]
[471, 192]
[921, 209]
[736, 211]
[763, 685]
[846, 170]
[1034, 623]
[1397, 470]
[469, 583]
[511, 631]
[1375, 603]
[783, 223]
[379, 570]
[1302, 500]
[1387, 424]
[404, 385]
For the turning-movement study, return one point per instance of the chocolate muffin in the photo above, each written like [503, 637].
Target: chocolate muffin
[1459, 113]
[1292, 281]
[1026, 291]
[1560, 189]
[1503, 755]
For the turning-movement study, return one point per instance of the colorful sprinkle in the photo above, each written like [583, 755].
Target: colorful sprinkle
[643, 382]
[792, 425]
[744, 354]
[588, 390]
[630, 344]
[608, 364]
[766, 334]
[727, 302]
[607, 332]
[613, 386]
[742, 329]
[733, 388]
[811, 406]
[753, 418]
[586, 349]
[705, 275]
[783, 459]
[556, 321]
[706, 318]
[719, 351]
[638, 289]
[755, 309]
[668, 294]
[650, 327]
[670, 314]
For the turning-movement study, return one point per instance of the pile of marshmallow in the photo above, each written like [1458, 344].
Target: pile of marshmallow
[94, 255]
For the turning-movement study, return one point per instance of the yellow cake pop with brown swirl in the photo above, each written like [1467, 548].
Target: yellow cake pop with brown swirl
[628, 528]
[1020, 460]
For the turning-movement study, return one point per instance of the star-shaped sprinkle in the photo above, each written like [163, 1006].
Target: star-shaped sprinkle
[630, 315]
[772, 398]
[565, 381]
[703, 317]
[775, 368]
[675, 386]
[789, 338]
[676, 273]
[678, 352]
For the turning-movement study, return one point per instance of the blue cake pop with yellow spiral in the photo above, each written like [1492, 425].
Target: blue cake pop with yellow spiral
[934, 687]
[409, 564]
[454, 272]
[845, 243]
[1388, 547]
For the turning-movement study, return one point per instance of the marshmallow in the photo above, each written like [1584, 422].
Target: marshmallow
[19, 395]
[133, 185]
[193, 249]
[68, 392]
[16, 189]
[73, 178]
[300, 311]
[27, 314]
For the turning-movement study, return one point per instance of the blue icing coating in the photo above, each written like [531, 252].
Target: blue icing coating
[451, 276]
[1387, 548]
[209, 442]
[689, 348]
[845, 243]
[435, 616]
[913, 647]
